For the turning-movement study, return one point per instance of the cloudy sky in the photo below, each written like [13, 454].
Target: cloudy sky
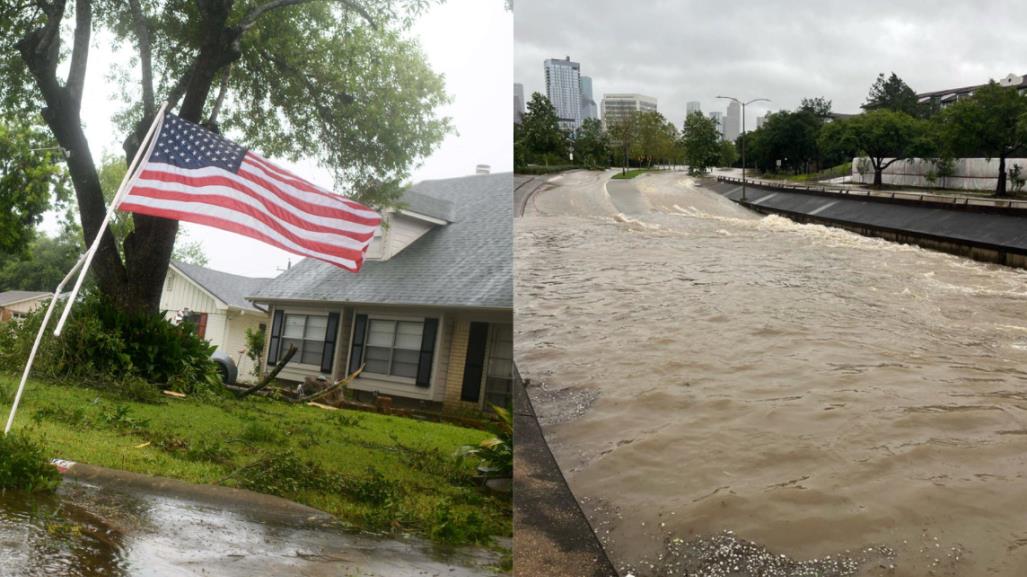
[476, 66]
[679, 51]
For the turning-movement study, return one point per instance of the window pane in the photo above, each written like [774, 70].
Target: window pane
[409, 336]
[404, 369]
[311, 352]
[316, 328]
[294, 326]
[285, 348]
[377, 360]
[380, 334]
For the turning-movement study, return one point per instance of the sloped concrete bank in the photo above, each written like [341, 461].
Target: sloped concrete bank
[982, 230]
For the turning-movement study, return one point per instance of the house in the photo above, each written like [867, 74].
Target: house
[18, 304]
[215, 302]
[430, 315]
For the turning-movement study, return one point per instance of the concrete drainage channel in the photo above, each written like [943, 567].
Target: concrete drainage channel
[116, 523]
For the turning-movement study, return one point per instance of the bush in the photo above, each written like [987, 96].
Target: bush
[24, 467]
[104, 346]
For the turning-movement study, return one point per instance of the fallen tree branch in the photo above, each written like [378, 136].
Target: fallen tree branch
[338, 384]
[270, 376]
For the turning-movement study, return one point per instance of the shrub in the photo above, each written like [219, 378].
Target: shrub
[104, 346]
[496, 453]
[24, 467]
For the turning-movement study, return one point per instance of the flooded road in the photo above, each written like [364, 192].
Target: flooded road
[705, 369]
[91, 531]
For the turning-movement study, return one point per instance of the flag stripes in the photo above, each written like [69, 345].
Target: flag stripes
[196, 176]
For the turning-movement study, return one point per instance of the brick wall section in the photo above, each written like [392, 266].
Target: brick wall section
[457, 356]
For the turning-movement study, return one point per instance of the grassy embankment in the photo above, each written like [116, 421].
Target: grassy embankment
[633, 173]
[374, 472]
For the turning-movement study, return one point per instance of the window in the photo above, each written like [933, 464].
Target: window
[307, 334]
[499, 376]
[393, 347]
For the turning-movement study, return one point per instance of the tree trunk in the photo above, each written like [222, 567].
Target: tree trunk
[877, 177]
[1000, 189]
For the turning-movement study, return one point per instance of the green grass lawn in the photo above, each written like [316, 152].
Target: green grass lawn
[374, 472]
[633, 173]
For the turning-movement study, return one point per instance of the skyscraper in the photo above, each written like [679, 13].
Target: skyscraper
[518, 102]
[563, 87]
[733, 122]
[588, 103]
[718, 118]
[616, 107]
[691, 107]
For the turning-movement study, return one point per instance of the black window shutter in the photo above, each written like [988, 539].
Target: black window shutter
[331, 334]
[475, 363]
[276, 337]
[356, 353]
[431, 329]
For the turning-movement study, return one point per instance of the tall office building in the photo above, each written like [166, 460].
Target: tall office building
[691, 107]
[733, 121]
[616, 107]
[760, 120]
[563, 87]
[718, 119]
[588, 103]
[518, 102]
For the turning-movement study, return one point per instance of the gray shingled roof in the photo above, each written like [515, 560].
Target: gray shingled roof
[428, 205]
[12, 297]
[468, 262]
[230, 288]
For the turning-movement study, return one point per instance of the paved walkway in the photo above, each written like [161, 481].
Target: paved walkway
[551, 534]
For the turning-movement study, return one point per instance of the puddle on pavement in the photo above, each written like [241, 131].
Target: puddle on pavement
[809, 389]
[90, 531]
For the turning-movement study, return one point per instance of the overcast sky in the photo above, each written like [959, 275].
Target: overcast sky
[469, 41]
[679, 51]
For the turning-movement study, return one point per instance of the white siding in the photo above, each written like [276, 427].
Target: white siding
[235, 340]
[401, 233]
[180, 293]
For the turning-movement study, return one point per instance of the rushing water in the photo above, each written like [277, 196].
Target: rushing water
[91, 531]
[820, 393]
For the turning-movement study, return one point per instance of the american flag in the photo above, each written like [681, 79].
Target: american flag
[194, 175]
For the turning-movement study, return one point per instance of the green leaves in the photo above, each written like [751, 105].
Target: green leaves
[701, 140]
[539, 139]
[29, 179]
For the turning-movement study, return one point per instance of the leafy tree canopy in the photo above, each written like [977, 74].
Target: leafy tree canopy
[887, 136]
[540, 132]
[701, 141]
[31, 177]
[992, 123]
[892, 93]
[592, 144]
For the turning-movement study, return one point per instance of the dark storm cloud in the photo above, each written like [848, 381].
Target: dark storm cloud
[683, 51]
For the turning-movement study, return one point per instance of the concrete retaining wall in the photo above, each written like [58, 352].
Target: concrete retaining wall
[969, 173]
[991, 235]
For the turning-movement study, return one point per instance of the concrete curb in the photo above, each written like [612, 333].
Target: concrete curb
[552, 536]
[268, 507]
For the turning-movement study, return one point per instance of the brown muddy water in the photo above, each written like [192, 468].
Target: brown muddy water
[92, 531]
[842, 405]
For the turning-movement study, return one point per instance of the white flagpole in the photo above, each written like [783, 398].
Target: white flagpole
[39, 338]
[146, 147]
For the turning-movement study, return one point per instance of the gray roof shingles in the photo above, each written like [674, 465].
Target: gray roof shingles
[11, 297]
[230, 288]
[467, 263]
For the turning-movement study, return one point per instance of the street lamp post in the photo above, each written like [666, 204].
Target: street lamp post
[743, 104]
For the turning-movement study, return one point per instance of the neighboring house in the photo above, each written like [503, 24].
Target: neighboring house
[18, 304]
[430, 315]
[215, 302]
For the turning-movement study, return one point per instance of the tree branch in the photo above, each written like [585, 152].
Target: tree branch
[251, 18]
[79, 51]
[212, 121]
[142, 30]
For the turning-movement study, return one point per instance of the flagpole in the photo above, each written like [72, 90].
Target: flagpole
[39, 338]
[144, 148]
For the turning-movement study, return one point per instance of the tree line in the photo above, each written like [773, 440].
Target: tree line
[895, 126]
[641, 139]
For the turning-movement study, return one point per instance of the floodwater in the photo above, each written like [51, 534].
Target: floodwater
[91, 531]
[821, 395]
